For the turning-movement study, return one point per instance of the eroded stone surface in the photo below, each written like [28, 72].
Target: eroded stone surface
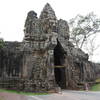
[45, 59]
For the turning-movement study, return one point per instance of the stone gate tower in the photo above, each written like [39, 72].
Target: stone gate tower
[44, 52]
[45, 58]
[38, 46]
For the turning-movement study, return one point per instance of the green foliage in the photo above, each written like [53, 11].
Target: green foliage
[1, 43]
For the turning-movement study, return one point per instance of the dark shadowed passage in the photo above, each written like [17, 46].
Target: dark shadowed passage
[59, 70]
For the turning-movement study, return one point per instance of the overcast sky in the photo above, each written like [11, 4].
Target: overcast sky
[13, 13]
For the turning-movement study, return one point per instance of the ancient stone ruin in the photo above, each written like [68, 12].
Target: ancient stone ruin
[45, 59]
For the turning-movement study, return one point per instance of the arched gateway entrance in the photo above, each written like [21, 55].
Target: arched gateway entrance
[59, 70]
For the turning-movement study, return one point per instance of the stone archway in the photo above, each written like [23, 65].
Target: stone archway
[59, 70]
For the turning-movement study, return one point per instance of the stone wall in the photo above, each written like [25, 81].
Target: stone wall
[10, 60]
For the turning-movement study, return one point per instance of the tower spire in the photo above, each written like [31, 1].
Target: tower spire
[47, 12]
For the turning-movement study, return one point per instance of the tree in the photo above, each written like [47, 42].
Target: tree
[83, 32]
[82, 28]
[1, 43]
[91, 46]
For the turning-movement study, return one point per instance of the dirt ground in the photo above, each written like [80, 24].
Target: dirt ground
[11, 96]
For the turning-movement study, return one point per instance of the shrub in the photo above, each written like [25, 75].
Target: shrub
[1, 43]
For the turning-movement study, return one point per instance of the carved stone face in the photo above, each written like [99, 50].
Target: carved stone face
[41, 32]
[54, 38]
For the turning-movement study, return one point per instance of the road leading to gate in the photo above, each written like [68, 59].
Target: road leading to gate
[66, 95]
[69, 95]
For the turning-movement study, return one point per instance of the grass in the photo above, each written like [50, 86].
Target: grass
[95, 87]
[22, 93]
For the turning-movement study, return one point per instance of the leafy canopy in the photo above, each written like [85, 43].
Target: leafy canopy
[82, 28]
